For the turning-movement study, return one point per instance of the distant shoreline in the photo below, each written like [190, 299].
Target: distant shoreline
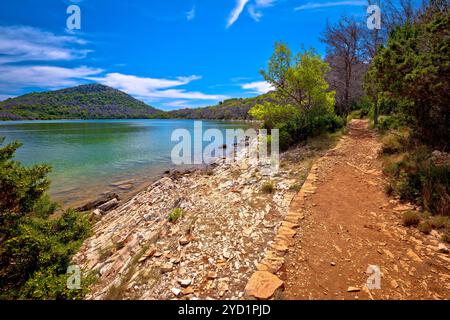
[196, 119]
[70, 194]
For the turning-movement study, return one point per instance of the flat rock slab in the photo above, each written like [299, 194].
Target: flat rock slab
[263, 285]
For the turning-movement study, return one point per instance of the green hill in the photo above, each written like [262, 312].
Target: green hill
[91, 101]
[232, 109]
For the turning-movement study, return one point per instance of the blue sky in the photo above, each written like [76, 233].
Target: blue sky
[170, 54]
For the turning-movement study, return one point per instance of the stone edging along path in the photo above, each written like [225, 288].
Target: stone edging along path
[263, 283]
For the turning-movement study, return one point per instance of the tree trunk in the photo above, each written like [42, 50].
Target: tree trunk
[375, 110]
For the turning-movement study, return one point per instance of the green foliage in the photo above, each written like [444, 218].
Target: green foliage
[91, 101]
[396, 141]
[301, 80]
[424, 227]
[175, 214]
[411, 219]
[418, 178]
[268, 187]
[304, 105]
[440, 222]
[446, 237]
[35, 244]
[273, 115]
[231, 109]
[413, 70]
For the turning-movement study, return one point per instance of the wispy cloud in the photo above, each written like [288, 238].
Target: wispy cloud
[3, 97]
[154, 89]
[190, 15]
[22, 43]
[259, 87]
[317, 5]
[237, 10]
[13, 78]
[255, 9]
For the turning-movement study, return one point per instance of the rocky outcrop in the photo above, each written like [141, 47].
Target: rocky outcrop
[226, 228]
[263, 285]
[110, 198]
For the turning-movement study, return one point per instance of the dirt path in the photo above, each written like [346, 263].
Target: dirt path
[350, 224]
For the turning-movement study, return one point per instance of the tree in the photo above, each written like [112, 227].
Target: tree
[299, 81]
[35, 246]
[345, 53]
[415, 67]
[303, 106]
[272, 114]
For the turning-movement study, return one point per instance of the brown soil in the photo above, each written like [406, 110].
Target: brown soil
[350, 224]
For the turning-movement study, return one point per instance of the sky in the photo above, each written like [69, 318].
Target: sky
[171, 54]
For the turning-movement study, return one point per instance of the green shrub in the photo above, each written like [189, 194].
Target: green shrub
[268, 187]
[440, 222]
[424, 227]
[417, 178]
[411, 219]
[176, 214]
[301, 127]
[395, 142]
[295, 187]
[446, 237]
[36, 246]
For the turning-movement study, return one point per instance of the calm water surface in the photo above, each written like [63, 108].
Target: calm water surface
[90, 157]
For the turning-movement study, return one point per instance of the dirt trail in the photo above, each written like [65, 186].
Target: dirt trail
[350, 224]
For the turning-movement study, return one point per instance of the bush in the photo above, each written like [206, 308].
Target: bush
[411, 219]
[446, 237]
[425, 227]
[395, 142]
[417, 178]
[176, 214]
[301, 127]
[440, 222]
[35, 245]
[295, 187]
[268, 187]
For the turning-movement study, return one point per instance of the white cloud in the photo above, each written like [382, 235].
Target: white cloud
[265, 3]
[240, 5]
[256, 15]
[3, 97]
[153, 89]
[316, 5]
[190, 15]
[15, 78]
[255, 10]
[22, 43]
[259, 87]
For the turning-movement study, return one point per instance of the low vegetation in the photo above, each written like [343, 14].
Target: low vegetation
[268, 187]
[415, 123]
[411, 219]
[91, 101]
[303, 105]
[175, 214]
[36, 243]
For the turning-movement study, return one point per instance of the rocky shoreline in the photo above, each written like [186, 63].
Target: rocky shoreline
[229, 221]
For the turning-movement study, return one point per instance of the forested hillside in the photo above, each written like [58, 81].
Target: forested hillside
[232, 109]
[92, 101]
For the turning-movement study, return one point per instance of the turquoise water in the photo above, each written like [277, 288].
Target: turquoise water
[89, 157]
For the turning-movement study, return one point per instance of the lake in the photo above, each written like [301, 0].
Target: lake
[90, 157]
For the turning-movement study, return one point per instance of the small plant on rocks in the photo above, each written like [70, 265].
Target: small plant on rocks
[411, 219]
[425, 227]
[268, 187]
[176, 214]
